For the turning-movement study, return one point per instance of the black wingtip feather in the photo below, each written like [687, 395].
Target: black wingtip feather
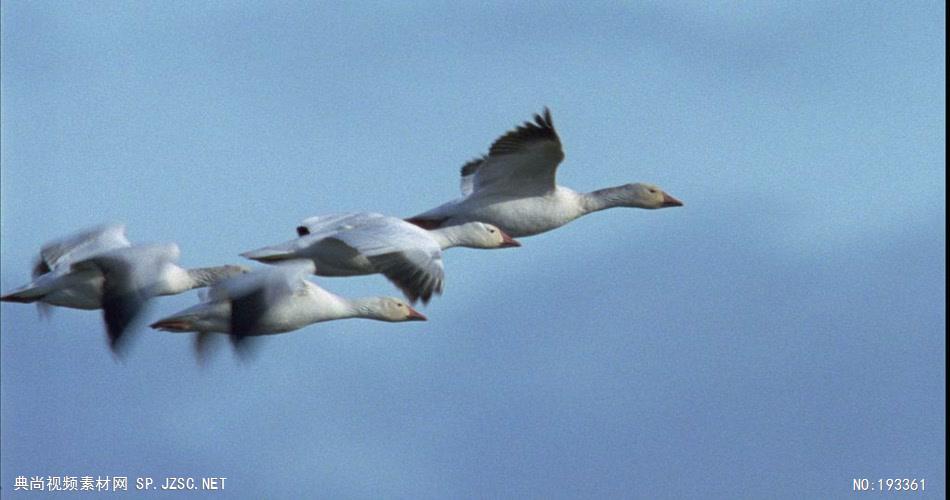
[547, 122]
[246, 313]
[472, 166]
[119, 312]
[512, 142]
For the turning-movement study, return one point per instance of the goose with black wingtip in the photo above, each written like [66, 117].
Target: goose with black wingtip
[514, 187]
[278, 299]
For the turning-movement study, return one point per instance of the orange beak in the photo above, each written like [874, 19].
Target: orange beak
[669, 201]
[415, 315]
[508, 241]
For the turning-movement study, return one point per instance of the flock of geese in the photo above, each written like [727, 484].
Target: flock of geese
[509, 192]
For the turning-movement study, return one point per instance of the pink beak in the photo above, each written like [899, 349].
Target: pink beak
[508, 241]
[415, 315]
[669, 201]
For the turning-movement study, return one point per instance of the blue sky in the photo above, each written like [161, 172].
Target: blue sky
[780, 335]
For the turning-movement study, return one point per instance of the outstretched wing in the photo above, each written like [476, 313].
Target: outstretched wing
[522, 162]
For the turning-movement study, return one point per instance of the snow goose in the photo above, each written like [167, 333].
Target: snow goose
[277, 299]
[368, 243]
[100, 269]
[514, 187]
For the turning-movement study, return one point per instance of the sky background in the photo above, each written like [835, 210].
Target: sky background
[777, 337]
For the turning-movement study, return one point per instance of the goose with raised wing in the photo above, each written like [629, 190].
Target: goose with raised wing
[353, 244]
[514, 187]
[100, 269]
[278, 299]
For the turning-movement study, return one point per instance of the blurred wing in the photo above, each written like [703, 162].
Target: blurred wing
[251, 298]
[288, 277]
[122, 299]
[129, 279]
[202, 346]
[247, 310]
[244, 347]
[235, 286]
[522, 162]
[204, 343]
[285, 274]
[80, 246]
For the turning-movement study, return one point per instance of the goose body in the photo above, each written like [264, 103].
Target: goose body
[521, 216]
[278, 299]
[514, 187]
[310, 304]
[368, 243]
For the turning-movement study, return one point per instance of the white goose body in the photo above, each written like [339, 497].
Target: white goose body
[308, 305]
[520, 216]
[514, 187]
[275, 300]
[368, 243]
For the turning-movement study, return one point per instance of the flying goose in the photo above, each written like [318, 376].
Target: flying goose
[367, 243]
[100, 269]
[514, 188]
[277, 299]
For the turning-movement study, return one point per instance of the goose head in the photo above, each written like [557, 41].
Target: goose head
[483, 235]
[642, 195]
[390, 309]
